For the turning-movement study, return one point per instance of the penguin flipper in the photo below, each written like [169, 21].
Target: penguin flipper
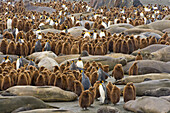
[107, 74]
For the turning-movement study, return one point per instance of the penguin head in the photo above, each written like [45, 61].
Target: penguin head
[79, 59]
[81, 71]
[72, 61]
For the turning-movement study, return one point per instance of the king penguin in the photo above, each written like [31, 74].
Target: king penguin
[9, 23]
[15, 32]
[73, 66]
[102, 34]
[103, 92]
[31, 63]
[79, 63]
[38, 46]
[19, 62]
[6, 59]
[47, 46]
[102, 75]
[20, 40]
[85, 81]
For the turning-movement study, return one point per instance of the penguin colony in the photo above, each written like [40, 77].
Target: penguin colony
[22, 36]
[24, 28]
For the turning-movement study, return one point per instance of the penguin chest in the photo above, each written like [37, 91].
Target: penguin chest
[9, 24]
[17, 64]
[39, 36]
[72, 19]
[80, 64]
[102, 34]
[94, 35]
[102, 93]
[86, 34]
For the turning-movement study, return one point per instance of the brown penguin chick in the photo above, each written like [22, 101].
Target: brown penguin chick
[87, 25]
[117, 48]
[78, 87]
[110, 45]
[1, 79]
[134, 89]
[1, 69]
[94, 64]
[14, 22]
[68, 64]
[124, 47]
[115, 94]
[58, 47]
[152, 40]
[99, 50]
[139, 56]
[3, 46]
[41, 68]
[167, 43]
[18, 49]
[96, 86]
[93, 70]
[34, 76]
[51, 79]
[56, 68]
[62, 67]
[6, 83]
[75, 49]
[143, 43]
[58, 81]
[92, 93]
[40, 81]
[128, 93]
[84, 99]
[118, 72]
[109, 86]
[46, 76]
[85, 46]
[66, 48]
[28, 75]
[24, 49]
[64, 82]
[130, 46]
[133, 70]
[11, 48]
[70, 82]
[22, 79]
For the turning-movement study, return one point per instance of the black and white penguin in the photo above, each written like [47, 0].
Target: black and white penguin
[19, 62]
[38, 46]
[6, 59]
[15, 32]
[73, 65]
[31, 63]
[47, 46]
[20, 40]
[79, 63]
[102, 75]
[85, 81]
[95, 34]
[9, 23]
[103, 92]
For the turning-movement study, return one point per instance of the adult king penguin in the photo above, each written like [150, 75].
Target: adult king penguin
[47, 46]
[38, 46]
[103, 92]
[9, 24]
[85, 81]
[6, 59]
[19, 62]
[79, 63]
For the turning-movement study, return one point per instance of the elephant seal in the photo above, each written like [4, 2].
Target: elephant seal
[48, 63]
[136, 31]
[45, 111]
[149, 66]
[104, 60]
[149, 49]
[161, 55]
[46, 30]
[60, 59]
[166, 98]
[124, 25]
[150, 85]
[159, 25]
[142, 78]
[162, 91]
[147, 34]
[126, 56]
[77, 31]
[45, 93]
[148, 105]
[37, 56]
[11, 103]
[113, 30]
